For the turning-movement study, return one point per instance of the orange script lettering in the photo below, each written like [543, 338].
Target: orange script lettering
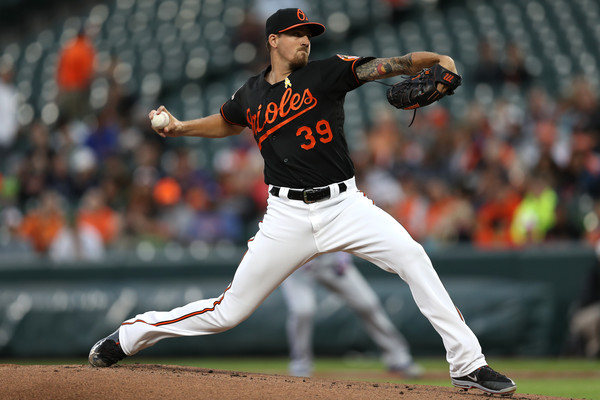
[290, 106]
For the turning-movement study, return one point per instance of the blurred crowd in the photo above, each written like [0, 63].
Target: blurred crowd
[498, 176]
[501, 177]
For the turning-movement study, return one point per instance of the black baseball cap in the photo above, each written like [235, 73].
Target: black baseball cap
[289, 18]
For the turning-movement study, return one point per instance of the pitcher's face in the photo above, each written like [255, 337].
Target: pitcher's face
[294, 47]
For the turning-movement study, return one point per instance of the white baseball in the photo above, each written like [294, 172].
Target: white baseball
[160, 121]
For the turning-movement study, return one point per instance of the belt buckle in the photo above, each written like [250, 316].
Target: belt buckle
[305, 194]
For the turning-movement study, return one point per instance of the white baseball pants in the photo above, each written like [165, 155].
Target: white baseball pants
[291, 234]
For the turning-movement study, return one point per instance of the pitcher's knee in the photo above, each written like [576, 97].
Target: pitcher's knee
[409, 256]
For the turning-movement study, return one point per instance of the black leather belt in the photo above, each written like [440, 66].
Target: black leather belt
[308, 195]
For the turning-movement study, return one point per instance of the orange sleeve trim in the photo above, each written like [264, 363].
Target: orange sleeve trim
[354, 72]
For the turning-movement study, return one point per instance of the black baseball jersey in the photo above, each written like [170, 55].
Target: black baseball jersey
[298, 123]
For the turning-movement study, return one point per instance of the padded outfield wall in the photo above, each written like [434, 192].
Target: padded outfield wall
[518, 304]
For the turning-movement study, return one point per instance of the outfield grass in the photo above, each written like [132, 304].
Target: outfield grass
[577, 379]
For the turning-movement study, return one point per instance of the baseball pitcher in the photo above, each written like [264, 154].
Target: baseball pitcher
[295, 109]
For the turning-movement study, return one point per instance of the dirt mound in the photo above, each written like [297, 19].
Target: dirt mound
[128, 382]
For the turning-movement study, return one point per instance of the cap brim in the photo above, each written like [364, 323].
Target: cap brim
[315, 28]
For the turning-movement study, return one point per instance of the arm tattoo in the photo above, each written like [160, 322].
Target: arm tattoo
[380, 68]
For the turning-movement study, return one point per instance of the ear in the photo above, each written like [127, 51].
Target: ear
[272, 40]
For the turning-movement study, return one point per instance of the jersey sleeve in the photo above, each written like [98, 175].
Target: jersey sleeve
[340, 72]
[233, 109]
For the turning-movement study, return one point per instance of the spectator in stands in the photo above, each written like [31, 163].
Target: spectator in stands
[12, 243]
[173, 215]
[538, 133]
[239, 174]
[583, 105]
[506, 119]
[383, 141]
[193, 215]
[42, 224]
[449, 216]
[441, 143]
[142, 211]
[469, 140]
[541, 106]
[75, 71]
[84, 171]
[96, 213]
[411, 210]
[592, 226]
[60, 178]
[103, 140]
[535, 214]
[115, 180]
[34, 169]
[581, 174]
[76, 241]
[209, 223]
[497, 201]
[9, 105]
[568, 224]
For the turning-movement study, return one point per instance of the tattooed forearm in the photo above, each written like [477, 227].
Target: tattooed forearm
[408, 64]
[386, 67]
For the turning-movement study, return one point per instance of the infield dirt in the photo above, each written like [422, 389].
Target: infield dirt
[129, 382]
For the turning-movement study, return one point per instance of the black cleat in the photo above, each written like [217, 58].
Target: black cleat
[106, 352]
[488, 380]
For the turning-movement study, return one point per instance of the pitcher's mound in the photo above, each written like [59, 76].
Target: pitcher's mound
[134, 382]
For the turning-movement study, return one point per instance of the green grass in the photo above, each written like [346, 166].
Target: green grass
[569, 378]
